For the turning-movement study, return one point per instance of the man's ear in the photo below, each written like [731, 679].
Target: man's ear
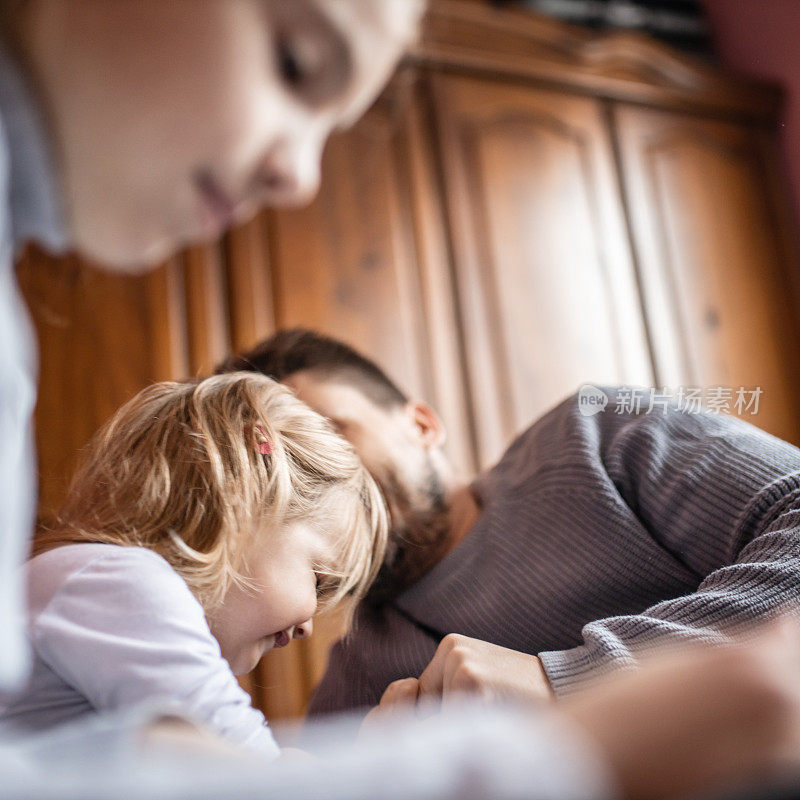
[428, 425]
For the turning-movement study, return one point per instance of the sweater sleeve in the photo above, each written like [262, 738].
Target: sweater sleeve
[124, 630]
[723, 498]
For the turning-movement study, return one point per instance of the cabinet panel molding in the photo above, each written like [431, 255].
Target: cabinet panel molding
[514, 44]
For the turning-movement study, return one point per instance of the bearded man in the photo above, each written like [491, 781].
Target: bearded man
[593, 539]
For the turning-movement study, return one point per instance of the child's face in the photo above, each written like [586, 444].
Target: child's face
[175, 119]
[281, 565]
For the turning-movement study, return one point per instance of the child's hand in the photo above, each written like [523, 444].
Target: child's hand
[464, 666]
[398, 699]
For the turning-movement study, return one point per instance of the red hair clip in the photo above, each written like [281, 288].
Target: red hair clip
[263, 442]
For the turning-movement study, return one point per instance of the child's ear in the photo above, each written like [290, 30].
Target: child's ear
[427, 423]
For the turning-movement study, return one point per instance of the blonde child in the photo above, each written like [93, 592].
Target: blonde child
[209, 522]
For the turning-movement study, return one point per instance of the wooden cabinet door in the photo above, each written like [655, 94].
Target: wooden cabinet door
[102, 337]
[713, 268]
[547, 290]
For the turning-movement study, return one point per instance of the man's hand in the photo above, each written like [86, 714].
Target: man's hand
[464, 666]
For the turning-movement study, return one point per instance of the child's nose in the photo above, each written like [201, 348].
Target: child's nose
[290, 170]
[304, 630]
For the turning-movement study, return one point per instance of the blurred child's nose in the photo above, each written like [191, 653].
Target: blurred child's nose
[304, 630]
[290, 171]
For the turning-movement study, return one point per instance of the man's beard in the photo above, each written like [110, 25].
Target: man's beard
[418, 538]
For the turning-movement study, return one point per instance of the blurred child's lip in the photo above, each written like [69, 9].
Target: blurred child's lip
[220, 208]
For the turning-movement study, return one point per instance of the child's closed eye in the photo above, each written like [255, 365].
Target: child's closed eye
[327, 585]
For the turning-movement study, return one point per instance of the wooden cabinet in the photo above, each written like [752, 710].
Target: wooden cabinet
[709, 246]
[527, 207]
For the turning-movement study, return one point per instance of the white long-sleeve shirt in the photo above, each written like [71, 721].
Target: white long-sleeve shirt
[29, 211]
[116, 627]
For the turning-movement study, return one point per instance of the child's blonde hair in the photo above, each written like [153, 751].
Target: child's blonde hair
[183, 469]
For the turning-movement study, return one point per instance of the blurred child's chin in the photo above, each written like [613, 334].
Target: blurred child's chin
[131, 253]
[247, 660]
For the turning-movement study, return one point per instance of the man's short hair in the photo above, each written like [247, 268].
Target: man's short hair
[295, 350]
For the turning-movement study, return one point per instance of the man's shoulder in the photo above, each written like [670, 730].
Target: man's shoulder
[545, 444]
[596, 421]
[600, 410]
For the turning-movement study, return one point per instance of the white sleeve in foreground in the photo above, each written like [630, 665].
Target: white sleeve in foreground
[472, 752]
[466, 751]
[125, 630]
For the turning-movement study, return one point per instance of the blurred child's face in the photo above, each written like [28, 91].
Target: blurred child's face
[175, 119]
[250, 623]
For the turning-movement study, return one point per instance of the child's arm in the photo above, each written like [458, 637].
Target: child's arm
[124, 629]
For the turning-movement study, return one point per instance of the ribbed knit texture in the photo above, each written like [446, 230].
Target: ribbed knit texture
[600, 537]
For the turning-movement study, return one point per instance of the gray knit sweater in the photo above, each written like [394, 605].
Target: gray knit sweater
[599, 537]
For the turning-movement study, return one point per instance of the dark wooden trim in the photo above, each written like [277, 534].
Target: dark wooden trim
[619, 66]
